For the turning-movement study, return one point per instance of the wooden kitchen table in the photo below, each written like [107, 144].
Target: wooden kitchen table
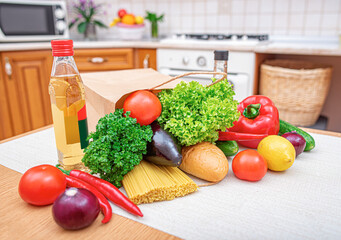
[19, 220]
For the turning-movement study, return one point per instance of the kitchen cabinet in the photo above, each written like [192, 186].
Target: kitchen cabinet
[89, 60]
[25, 103]
[145, 58]
[25, 75]
[259, 59]
[5, 120]
[333, 97]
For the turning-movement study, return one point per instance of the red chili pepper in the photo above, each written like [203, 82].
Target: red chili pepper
[103, 202]
[108, 190]
[258, 116]
[234, 136]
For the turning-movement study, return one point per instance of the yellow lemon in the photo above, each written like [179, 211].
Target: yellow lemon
[139, 20]
[278, 152]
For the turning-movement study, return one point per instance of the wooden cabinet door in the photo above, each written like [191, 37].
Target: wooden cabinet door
[27, 89]
[6, 129]
[145, 58]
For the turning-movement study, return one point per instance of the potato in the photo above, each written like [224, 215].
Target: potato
[204, 160]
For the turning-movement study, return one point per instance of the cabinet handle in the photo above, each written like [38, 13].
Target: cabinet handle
[97, 60]
[8, 68]
[146, 61]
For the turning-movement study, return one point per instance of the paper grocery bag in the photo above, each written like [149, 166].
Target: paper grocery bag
[106, 91]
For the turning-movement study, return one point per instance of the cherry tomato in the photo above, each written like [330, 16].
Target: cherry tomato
[121, 13]
[249, 165]
[41, 185]
[144, 106]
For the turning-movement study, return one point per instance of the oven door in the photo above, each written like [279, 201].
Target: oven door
[240, 82]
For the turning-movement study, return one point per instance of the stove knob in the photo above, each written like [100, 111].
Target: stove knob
[185, 60]
[234, 37]
[244, 37]
[182, 36]
[205, 37]
[201, 61]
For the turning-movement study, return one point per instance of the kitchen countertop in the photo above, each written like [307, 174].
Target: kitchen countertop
[122, 44]
[300, 48]
[300, 203]
[330, 49]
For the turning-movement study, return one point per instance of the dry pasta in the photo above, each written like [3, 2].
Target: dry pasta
[148, 183]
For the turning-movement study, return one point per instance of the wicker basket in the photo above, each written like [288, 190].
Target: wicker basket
[297, 88]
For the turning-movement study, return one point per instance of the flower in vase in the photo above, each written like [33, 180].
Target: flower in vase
[86, 11]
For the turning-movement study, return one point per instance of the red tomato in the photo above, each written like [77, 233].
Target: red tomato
[144, 106]
[121, 13]
[41, 185]
[249, 165]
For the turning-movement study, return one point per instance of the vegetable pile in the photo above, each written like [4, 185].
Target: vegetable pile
[77, 196]
[193, 113]
[183, 133]
[117, 146]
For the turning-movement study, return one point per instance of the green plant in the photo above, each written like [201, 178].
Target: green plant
[117, 146]
[86, 11]
[154, 19]
[194, 113]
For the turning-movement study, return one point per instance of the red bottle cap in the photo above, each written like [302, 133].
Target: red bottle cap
[62, 48]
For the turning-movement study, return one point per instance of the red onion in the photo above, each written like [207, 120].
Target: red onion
[76, 208]
[296, 140]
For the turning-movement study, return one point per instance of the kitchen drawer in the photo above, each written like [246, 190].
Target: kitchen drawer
[88, 60]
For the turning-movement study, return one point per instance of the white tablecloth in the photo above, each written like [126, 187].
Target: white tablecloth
[303, 202]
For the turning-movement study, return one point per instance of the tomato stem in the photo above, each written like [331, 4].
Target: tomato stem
[63, 170]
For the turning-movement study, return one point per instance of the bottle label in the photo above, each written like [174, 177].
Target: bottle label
[83, 127]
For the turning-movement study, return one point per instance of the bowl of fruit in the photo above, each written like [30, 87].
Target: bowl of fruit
[130, 27]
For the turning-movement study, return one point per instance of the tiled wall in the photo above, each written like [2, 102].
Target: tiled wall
[276, 17]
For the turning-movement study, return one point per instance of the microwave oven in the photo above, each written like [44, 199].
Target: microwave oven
[35, 20]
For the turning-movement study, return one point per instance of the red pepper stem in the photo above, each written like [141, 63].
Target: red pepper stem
[252, 111]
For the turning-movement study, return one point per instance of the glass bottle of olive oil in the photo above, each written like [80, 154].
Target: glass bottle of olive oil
[68, 106]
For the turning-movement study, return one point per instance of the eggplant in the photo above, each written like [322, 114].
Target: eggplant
[164, 148]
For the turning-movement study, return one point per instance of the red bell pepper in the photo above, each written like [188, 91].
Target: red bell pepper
[234, 136]
[258, 116]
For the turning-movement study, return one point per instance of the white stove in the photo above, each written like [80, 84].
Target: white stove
[217, 39]
[241, 65]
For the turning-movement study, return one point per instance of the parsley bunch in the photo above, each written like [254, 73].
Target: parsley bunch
[117, 146]
[194, 113]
